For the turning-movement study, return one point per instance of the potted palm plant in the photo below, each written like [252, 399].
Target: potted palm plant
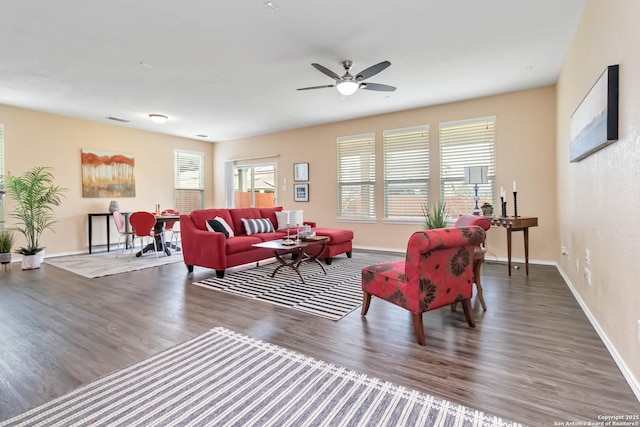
[7, 239]
[436, 216]
[33, 196]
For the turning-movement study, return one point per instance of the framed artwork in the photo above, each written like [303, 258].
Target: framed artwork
[107, 174]
[594, 124]
[300, 192]
[301, 171]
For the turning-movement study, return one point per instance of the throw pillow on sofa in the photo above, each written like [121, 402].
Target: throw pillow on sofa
[220, 225]
[253, 226]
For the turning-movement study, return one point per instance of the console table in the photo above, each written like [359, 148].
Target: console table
[107, 215]
[516, 223]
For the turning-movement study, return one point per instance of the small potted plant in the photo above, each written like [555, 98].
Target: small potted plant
[487, 209]
[7, 239]
[436, 216]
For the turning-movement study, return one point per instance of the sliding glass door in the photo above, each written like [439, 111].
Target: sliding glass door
[254, 186]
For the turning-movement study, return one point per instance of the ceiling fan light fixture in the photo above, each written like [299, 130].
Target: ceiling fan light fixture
[347, 87]
[158, 118]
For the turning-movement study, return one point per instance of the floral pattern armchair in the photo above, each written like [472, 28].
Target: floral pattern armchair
[437, 271]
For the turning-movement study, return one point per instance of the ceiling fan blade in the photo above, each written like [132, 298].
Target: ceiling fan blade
[326, 71]
[377, 86]
[315, 87]
[372, 71]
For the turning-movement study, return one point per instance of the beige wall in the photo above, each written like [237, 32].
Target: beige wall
[39, 139]
[525, 126]
[599, 197]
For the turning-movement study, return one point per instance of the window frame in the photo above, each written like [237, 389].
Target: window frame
[359, 150]
[178, 188]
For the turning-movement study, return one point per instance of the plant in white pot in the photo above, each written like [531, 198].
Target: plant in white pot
[7, 239]
[33, 197]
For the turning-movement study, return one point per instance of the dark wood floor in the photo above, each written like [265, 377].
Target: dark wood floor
[533, 357]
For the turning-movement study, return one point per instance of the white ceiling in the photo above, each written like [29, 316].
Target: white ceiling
[230, 68]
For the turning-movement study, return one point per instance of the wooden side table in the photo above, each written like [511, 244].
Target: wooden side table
[516, 223]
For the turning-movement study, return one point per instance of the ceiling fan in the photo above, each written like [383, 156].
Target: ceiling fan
[349, 84]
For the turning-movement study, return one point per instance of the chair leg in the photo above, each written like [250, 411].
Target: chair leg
[418, 328]
[466, 307]
[476, 278]
[366, 301]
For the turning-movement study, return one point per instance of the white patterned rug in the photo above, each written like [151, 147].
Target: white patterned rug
[331, 296]
[222, 378]
[106, 263]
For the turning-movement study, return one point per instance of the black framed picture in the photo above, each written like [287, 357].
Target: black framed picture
[594, 124]
[301, 171]
[300, 192]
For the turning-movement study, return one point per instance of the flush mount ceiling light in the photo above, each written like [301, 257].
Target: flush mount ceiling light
[158, 118]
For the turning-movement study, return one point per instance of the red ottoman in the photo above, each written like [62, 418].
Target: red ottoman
[340, 241]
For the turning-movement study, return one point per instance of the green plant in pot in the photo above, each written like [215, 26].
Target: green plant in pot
[7, 240]
[487, 209]
[33, 197]
[436, 216]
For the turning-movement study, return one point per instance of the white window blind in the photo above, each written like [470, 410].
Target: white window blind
[406, 172]
[466, 143]
[188, 178]
[356, 177]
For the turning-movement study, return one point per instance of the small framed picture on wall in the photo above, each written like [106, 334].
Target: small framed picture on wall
[301, 171]
[300, 192]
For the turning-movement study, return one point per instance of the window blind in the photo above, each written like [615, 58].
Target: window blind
[466, 143]
[188, 179]
[2, 174]
[406, 172]
[356, 176]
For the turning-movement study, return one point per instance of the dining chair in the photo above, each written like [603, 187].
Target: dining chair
[121, 221]
[142, 224]
[173, 227]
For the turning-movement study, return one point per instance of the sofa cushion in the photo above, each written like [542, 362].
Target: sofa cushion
[241, 244]
[238, 213]
[336, 235]
[261, 225]
[218, 224]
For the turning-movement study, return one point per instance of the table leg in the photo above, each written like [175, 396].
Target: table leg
[108, 233]
[509, 249]
[90, 232]
[127, 229]
[526, 249]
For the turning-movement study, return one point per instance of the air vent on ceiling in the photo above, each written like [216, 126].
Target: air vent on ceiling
[118, 119]
[202, 136]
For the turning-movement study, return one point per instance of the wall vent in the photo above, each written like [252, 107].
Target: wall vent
[118, 119]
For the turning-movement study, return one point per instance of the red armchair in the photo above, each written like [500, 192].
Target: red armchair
[437, 271]
[478, 255]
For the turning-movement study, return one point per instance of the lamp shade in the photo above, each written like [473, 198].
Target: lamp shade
[476, 174]
[347, 87]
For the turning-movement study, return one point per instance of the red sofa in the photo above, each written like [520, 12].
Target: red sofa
[212, 249]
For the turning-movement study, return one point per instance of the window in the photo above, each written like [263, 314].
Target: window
[466, 143]
[356, 177]
[254, 186]
[406, 172]
[188, 179]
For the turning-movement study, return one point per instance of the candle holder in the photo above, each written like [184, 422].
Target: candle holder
[515, 203]
[504, 207]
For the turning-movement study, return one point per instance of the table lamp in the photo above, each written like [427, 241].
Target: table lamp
[476, 175]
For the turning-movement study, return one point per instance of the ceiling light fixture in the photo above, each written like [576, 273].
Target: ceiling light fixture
[271, 6]
[347, 87]
[158, 118]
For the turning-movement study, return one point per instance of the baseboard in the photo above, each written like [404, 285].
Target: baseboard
[631, 380]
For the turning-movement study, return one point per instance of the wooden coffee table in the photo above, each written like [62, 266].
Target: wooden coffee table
[299, 250]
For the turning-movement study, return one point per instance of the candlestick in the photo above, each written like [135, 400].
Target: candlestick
[515, 203]
[514, 186]
[504, 207]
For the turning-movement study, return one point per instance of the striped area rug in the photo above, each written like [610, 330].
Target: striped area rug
[331, 296]
[223, 378]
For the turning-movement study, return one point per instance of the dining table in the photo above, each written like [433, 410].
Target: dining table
[159, 235]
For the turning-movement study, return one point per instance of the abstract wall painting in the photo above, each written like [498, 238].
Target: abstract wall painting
[107, 174]
[594, 124]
